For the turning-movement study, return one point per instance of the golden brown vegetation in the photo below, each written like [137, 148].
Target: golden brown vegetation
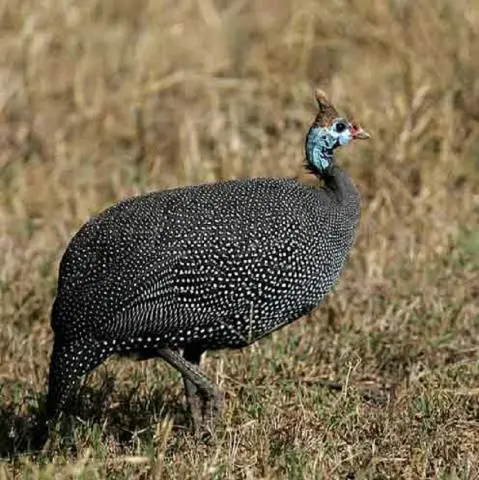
[101, 99]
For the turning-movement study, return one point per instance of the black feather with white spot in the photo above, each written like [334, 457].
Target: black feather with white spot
[210, 266]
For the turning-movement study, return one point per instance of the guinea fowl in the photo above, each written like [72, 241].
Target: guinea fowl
[174, 273]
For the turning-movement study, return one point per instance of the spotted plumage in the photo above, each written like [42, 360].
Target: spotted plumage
[203, 267]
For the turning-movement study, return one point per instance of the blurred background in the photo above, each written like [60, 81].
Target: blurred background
[102, 99]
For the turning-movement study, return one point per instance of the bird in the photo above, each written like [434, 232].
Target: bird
[172, 274]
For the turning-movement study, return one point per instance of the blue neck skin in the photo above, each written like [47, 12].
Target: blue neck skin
[319, 150]
[320, 145]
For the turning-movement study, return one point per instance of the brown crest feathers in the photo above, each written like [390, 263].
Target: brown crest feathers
[327, 113]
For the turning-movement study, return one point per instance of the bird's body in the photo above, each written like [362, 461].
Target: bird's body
[197, 268]
[218, 265]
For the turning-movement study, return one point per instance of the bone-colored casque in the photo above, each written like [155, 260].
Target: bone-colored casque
[174, 273]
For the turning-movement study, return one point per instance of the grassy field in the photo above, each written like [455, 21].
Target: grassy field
[102, 99]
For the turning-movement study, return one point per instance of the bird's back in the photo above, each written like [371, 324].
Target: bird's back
[219, 264]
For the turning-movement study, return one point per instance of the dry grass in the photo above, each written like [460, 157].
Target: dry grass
[101, 99]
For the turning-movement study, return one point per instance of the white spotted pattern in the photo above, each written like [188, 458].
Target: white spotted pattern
[216, 266]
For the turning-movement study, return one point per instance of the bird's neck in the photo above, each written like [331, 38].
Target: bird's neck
[341, 189]
[320, 161]
[319, 149]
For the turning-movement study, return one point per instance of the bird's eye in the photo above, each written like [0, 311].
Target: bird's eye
[340, 127]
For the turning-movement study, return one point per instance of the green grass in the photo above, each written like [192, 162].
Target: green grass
[104, 99]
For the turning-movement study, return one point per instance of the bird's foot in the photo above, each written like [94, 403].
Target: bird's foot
[205, 414]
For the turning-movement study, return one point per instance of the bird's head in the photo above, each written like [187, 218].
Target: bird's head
[329, 131]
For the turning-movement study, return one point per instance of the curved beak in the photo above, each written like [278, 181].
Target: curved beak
[360, 134]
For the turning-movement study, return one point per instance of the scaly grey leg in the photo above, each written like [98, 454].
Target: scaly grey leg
[203, 385]
[193, 398]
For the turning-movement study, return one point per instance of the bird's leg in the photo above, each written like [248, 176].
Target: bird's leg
[203, 385]
[193, 398]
